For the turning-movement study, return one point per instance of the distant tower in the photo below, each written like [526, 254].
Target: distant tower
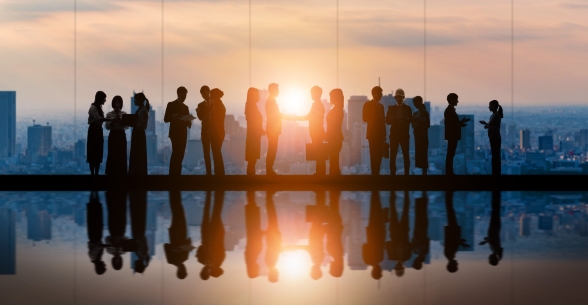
[39, 142]
[525, 139]
[7, 123]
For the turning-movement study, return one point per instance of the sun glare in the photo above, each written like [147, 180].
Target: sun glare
[294, 101]
[294, 264]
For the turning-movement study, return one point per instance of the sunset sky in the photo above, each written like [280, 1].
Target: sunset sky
[119, 48]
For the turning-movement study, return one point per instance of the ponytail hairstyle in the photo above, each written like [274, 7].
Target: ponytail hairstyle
[500, 112]
[252, 99]
[98, 98]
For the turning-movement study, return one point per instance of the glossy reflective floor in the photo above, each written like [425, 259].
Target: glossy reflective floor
[332, 247]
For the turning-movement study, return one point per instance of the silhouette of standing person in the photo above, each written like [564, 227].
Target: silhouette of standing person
[373, 249]
[254, 244]
[203, 113]
[177, 251]
[273, 127]
[217, 130]
[116, 203]
[273, 239]
[453, 127]
[138, 156]
[399, 117]
[203, 251]
[493, 127]
[334, 134]
[373, 115]
[421, 243]
[453, 238]
[399, 245]
[116, 162]
[95, 144]
[139, 245]
[493, 238]
[334, 230]
[315, 119]
[179, 119]
[95, 223]
[254, 130]
[420, 125]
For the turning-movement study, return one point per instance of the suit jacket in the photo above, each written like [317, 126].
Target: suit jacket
[203, 113]
[177, 127]
[316, 118]
[373, 115]
[399, 128]
[273, 126]
[452, 124]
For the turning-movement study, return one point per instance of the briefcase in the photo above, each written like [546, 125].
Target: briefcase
[386, 151]
[316, 152]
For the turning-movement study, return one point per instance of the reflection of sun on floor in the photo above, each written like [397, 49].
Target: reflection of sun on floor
[294, 264]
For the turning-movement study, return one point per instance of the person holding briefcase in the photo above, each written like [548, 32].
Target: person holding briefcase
[399, 117]
[315, 120]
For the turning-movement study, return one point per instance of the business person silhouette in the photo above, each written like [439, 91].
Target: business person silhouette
[373, 249]
[116, 161]
[177, 251]
[138, 155]
[420, 125]
[217, 130]
[254, 233]
[334, 134]
[254, 130]
[399, 117]
[95, 224]
[203, 252]
[316, 234]
[316, 118]
[493, 127]
[453, 127]
[373, 115]
[493, 238]
[95, 144]
[453, 239]
[273, 239]
[273, 127]
[203, 113]
[179, 119]
[334, 230]
[138, 244]
[116, 203]
[398, 247]
[421, 243]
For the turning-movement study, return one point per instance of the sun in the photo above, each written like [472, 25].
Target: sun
[293, 264]
[294, 100]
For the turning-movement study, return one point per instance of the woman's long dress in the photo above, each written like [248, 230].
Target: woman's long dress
[334, 136]
[254, 131]
[138, 156]
[95, 144]
[116, 161]
[420, 124]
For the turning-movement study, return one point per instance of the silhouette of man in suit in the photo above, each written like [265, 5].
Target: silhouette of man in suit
[453, 238]
[177, 251]
[254, 244]
[95, 225]
[316, 118]
[203, 113]
[273, 127]
[493, 238]
[273, 239]
[453, 127]
[177, 114]
[399, 117]
[373, 115]
[373, 249]
[420, 238]
[399, 245]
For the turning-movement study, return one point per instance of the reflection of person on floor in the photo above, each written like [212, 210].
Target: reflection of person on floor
[453, 238]
[334, 230]
[420, 240]
[177, 251]
[493, 238]
[138, 203]
[399, 245]
[316, 235]
[373, 249]
[217, 236]
[203, 251]
[254, 244]
[273, 239]
[95, 222]
[116, 203]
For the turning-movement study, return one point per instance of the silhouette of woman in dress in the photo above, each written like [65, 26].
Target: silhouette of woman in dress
[217, 132]
[493, 127]
[334, 133]
[116, 162]
[138, 157]
[420, 125]
[254, 130]
[95, 144]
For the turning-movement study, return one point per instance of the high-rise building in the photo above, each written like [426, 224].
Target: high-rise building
[7, 241]
[354, 116]
[38, 224]
[546, 142]
[80, 149]
[583, 141]
[7, 123]
[525, 139]
[436, 136]
[467, 145]
[38, 142]
[194, 153]
[512, 135]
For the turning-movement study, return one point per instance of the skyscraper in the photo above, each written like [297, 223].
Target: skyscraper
[512, 135]
[7, 123]
[7, 241]
[546, 142]
[525, 139]
[38, 142]
[466, 145]
[354, 116]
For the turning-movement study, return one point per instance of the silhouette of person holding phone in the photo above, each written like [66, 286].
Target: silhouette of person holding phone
[95, 223]
[399, 117]
[399, 245]
[254, 130]
[217, 129]
[316, 128]
[177, 251]
[273, 127]
[95, 144]
[453, 239]
[334, 134]
[373, 249]
[116, 162]
[493, 127]
[420, 125]
[138, 155]
[203, 113]
[373, 115]
[179, 119]
[493, 237]
[453, 127]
